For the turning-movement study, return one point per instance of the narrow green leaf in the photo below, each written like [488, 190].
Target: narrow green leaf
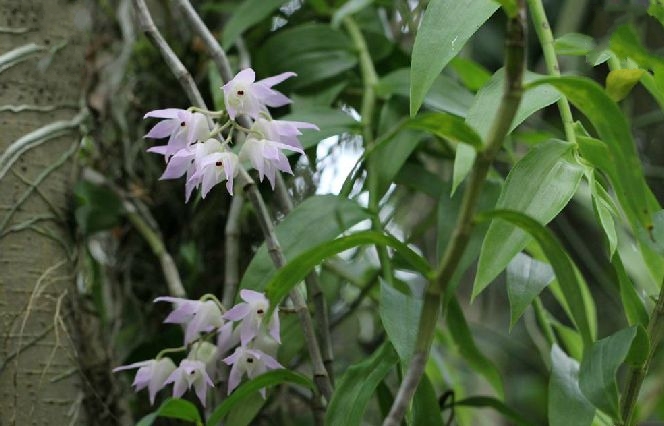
[348, 8]
[463, 337]
[496, 404]
[426, 411]
[656, 10]
[400, 315]
[446, 126]
[509, 6]
[635, 311]
[446, 27]
[327, 214]
[597, 376]
[605, 212]
[357, 386]
[620, 82]
[246, 15]
[567, 405]
[464, 159]
[562, 266]
[247, 389]
[294, 271]
[540, 185]
[657, 231]
[574, 44]
[173, 408]
[472, 74]
[526, 278]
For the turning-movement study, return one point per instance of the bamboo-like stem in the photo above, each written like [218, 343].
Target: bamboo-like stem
[546, 40]
[232, 251]
[514, 67]
[147, 231]
[638, 374]
[369, 82]
[247, 184]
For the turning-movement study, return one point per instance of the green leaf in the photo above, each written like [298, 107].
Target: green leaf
[656, 10]
[426, 411]
[567, 405]
[357, 386]
[247, 14]
[574, 44]
[446, 27]
[446, 126]
[314, 52]
[97, 208]
[496, 404]
[509, 6]
[597, 376]
[215, 86]
[657, 231]
[350, 7]
[605, 211]
[445, 94]
[472, 74]
[463, 337]
[613, 130]
[526, 278]
[464, 159]
[173, 408]
[540, 185]
[294, 271]
[400, 315]
[251, 388]
[331, 122]
[620, 82]
[562, 266]
[327, 214]
[635, 311]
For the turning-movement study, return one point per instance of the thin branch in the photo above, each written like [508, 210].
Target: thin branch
[514, 66]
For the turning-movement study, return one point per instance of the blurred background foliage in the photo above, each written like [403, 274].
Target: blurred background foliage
[122, 273]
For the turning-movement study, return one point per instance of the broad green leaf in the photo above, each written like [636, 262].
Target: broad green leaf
[496, 404]
[173, 408]
[426, 411]
[597, 376]
[251, 388]
[294, 271]
[445, 94]
[331, 122]
[656, 10]
[446, 126]
[463, 337]
[446, 27]
[464, 159]
[613, 130]
[562, 266]
[357, 387]
[244, 415]
[471, 74]
[540, 185]
[400, 315]
[415, 176]
[620, 82]
[526, 278]
[567, 405]
[574, 44]
[97, 208]
[626, 44]
[349, 8]
[635, 311]
[314, 51]
[247, 14]
[327, 214]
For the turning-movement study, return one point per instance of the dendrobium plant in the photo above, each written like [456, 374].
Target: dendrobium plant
[199, 149]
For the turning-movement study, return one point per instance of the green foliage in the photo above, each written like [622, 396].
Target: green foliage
[98, 208]
[526, 278]
[400, 315]
[174, 409]
[567, 405]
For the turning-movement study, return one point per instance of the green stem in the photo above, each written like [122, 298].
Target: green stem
[514, 66]
[369, 82]
[638, 374]
[545, 36]
[543, 321]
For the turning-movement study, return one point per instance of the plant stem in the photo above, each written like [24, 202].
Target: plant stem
[369, 81]
[637, 375]
[232, 251]
[545, 36]
[514, 66]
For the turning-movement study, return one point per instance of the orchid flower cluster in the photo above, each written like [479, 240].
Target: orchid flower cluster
[202, 153]
[255, 340]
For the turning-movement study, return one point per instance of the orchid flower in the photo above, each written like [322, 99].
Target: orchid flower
[253, 362]
[182, 127]
[152, 374]
[190, 373]
[282, 131]
[251, 313]
[199, 316]
[244, 95]
[213, 164]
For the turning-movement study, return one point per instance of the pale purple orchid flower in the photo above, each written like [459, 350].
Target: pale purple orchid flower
[253, 362]
[213, 164]
[199, 316]
[251, 313]
[190, 373]
[182, 127]
[244, 95]
[227, 338]
[282, 131]
[151, 374]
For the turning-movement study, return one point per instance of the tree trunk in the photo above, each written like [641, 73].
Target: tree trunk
[42, 64]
